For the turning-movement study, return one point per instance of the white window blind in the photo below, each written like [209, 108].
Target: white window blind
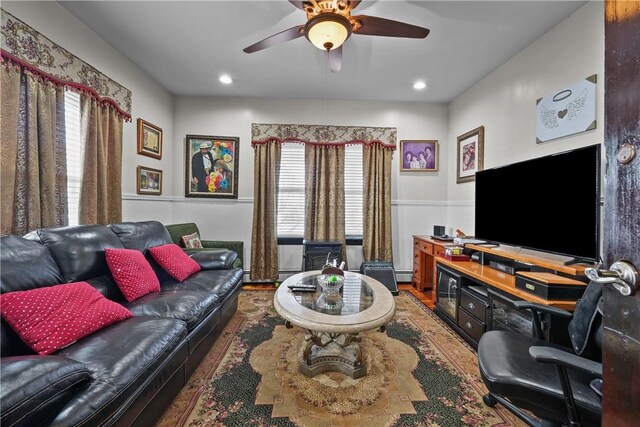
[353, 190]
[291, 197]
[74, 153]
[291, 191]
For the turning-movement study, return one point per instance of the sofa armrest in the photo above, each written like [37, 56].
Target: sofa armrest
[35, 388]
[213, 259]
[236, 246]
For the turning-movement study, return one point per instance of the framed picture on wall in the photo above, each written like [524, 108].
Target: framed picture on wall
[419, 155]
[211, 168]
[149, 139]
[470, 155]
[148, 181]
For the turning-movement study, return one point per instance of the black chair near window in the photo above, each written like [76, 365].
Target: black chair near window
[559, 385]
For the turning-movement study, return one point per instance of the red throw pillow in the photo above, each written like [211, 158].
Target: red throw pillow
[174, 261]
[51, 318]
[132, 272]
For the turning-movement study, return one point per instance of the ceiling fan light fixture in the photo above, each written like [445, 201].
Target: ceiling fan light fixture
[327, 31]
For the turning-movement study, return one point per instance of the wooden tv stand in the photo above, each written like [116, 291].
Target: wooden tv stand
[473, 297]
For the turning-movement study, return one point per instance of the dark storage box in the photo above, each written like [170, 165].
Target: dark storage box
[550, 286]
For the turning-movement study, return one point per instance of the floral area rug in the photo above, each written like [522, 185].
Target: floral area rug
[420, 373]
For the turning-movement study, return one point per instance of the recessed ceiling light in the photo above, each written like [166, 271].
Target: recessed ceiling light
[225, 79]
[419, 85]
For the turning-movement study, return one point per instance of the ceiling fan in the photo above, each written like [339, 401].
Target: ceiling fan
[329, 24]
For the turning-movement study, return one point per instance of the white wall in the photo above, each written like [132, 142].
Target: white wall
[150, 101]
[504, 102]
[419, 199]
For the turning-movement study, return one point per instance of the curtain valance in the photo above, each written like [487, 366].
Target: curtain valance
[324, 134]
[26, 47]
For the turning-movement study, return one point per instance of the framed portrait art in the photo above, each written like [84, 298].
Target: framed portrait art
[148, 181]
[149, 139]
[470, 154]
[211, 166]
[419, 155]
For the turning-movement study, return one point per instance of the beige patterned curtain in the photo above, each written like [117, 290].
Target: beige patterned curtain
[34, 178]
[376, 240]
[324, 194]
[264, 239]
[101, 187]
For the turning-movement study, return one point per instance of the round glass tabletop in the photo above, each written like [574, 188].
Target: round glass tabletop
[354, 296]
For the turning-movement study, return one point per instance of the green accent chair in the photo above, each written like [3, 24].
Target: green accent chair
[178, 230]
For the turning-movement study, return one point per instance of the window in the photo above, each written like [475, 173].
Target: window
[74, 153]
[291, 198]
[291, 191]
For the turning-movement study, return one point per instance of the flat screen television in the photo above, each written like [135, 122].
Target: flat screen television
[550, 204]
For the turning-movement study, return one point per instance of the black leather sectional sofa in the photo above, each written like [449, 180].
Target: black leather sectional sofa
[126, 373]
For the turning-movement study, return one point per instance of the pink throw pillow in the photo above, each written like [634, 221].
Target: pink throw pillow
[174, 261]
[132, 272]
[51, 318]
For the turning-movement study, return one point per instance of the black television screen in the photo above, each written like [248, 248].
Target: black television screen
[551, 203]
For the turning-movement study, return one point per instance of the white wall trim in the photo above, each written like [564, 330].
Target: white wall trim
[175, 199]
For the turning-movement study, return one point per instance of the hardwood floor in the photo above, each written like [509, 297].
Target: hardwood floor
[424, 297]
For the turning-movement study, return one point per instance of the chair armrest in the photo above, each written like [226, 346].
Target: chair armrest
[236, 246]
[213, 259]
[543, 308]
[558, 357]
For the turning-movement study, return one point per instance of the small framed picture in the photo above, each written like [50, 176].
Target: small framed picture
[419, 155]
[149, 181]
[211, 166]
[149, 139]
[470, 155]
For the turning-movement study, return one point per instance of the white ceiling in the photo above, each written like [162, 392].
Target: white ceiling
[186, 45]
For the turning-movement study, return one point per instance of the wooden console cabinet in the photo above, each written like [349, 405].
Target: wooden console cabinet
[425, 250]
[473, 297]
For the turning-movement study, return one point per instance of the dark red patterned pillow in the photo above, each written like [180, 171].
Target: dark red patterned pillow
[174, 261]
[51, 318]
[132, 272]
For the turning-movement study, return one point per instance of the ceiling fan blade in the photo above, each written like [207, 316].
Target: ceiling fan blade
[374, 26]
[297, 3]
[335, 59]
[283, 36]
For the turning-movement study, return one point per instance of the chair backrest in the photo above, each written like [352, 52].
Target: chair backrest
[178, 230]
[585, 329]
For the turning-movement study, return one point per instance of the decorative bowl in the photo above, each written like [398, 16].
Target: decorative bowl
[330, 283]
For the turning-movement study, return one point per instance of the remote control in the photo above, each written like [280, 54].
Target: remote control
[303, 289]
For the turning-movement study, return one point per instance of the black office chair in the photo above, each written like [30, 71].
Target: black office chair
[560, 385]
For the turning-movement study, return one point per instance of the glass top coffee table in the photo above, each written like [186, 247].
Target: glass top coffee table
[334, 321]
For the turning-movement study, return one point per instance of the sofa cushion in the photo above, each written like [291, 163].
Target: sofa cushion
[213, 259]
[132, 272]
[122, 358]
[141, 235]
[48, 319]
[18, 256]
[35, 388]
[78, 250]
[218, 282]
[188, 306]
[174, 261]
[192, 241]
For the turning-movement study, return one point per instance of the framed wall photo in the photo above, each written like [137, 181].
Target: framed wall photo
[211, 166]
[149, 139]
[419, 155]
[148, 181]
[470, 155]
